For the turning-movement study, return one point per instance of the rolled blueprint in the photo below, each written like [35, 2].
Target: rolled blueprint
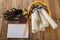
[41, 28]
[35, 20]
[43, 19]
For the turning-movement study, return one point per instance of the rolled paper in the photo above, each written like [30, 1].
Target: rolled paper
[49, 19]
[33, 24]
[36, 16]
[35, 20]
[44, 20]
[41, 28]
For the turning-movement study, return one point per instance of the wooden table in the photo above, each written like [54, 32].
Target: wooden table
[48, 34]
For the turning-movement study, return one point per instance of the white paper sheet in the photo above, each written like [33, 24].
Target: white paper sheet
[16, 31]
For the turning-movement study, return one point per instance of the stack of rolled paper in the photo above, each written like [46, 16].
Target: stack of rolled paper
[41, 19]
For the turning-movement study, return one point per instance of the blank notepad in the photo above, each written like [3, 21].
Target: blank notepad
[16, 31]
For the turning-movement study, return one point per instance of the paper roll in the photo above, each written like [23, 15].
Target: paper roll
[43, 19]
[36, 16]
[33, 26]
[49, 19]
[35, 21]
[42, 28]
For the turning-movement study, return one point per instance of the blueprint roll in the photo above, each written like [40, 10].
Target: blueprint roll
[43, 19]
[41, 28]
[49, 19]
[36, 16]
[35, 21]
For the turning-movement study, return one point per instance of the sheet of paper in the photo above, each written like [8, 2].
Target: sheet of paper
[16, 31]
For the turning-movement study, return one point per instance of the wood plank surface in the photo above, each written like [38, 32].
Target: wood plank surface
[58, 29]
[48, 34]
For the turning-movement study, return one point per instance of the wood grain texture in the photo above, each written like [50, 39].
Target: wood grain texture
[14, 3]
[58, 32]
[4, 30]
[19, 4]
[48, 34]
[8, 4]
[57, 8]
